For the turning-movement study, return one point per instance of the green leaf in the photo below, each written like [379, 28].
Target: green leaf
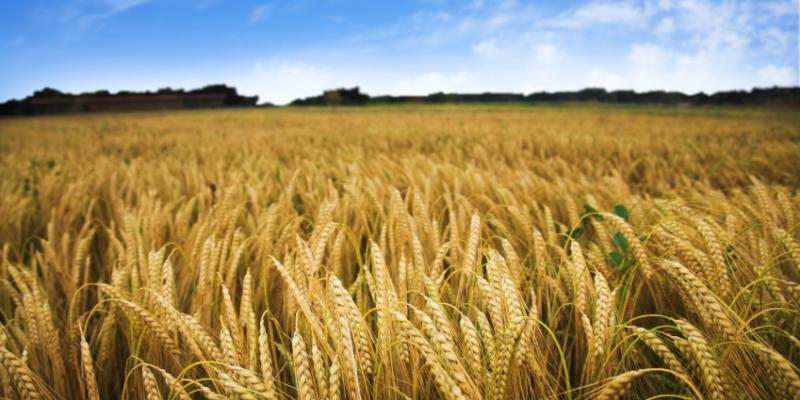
[616, 258]
[576, 233]
[621, 242]
[622, 212]
[627, 264]
[593, 211]
[621, 262]
[623, 290]
[278, 172]
[287, 355]
[297, 204]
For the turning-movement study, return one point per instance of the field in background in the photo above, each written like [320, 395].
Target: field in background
[502, 252]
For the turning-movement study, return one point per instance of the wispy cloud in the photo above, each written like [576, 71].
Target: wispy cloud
[204, 4]
[17, 41]
[712, 45]
[108, 8]
[336, 18]
[773, 75]
[260, 13]
[608, 13]
[281, 80]
[486, 48]
[782, 8]
[665, 26]
[688, 45]
[437, 27]
[436, 81]
[477, 45]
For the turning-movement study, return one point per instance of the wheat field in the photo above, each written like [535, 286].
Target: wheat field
[447, 252]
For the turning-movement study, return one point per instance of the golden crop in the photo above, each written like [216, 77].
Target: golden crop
[395, 253]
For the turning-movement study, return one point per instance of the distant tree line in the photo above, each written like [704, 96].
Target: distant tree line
[786, 96]
[336, 97]
[52, 101]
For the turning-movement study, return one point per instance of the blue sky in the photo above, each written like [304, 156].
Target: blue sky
[281, 50]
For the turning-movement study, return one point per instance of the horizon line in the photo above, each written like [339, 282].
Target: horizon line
[349, 87]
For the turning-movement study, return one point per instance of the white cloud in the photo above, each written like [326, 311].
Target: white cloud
[498, 21]
[336, 18]
[461, 81]
[653, 67]
[776, 41]
[122, 5]
[712, 25]
[771, 75]
[619, 13]
[281, 82]
[782, 8]
[605, 79]
[496, 45]
[204, 4]
[471, 23]
[662, 5]
[17, 41]
[475, 5]
[107, 9]
[546, 53]
[686, 45]
[665, 27]
[260, 13]
[649, 56]
[486, 48]
[424, 18]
